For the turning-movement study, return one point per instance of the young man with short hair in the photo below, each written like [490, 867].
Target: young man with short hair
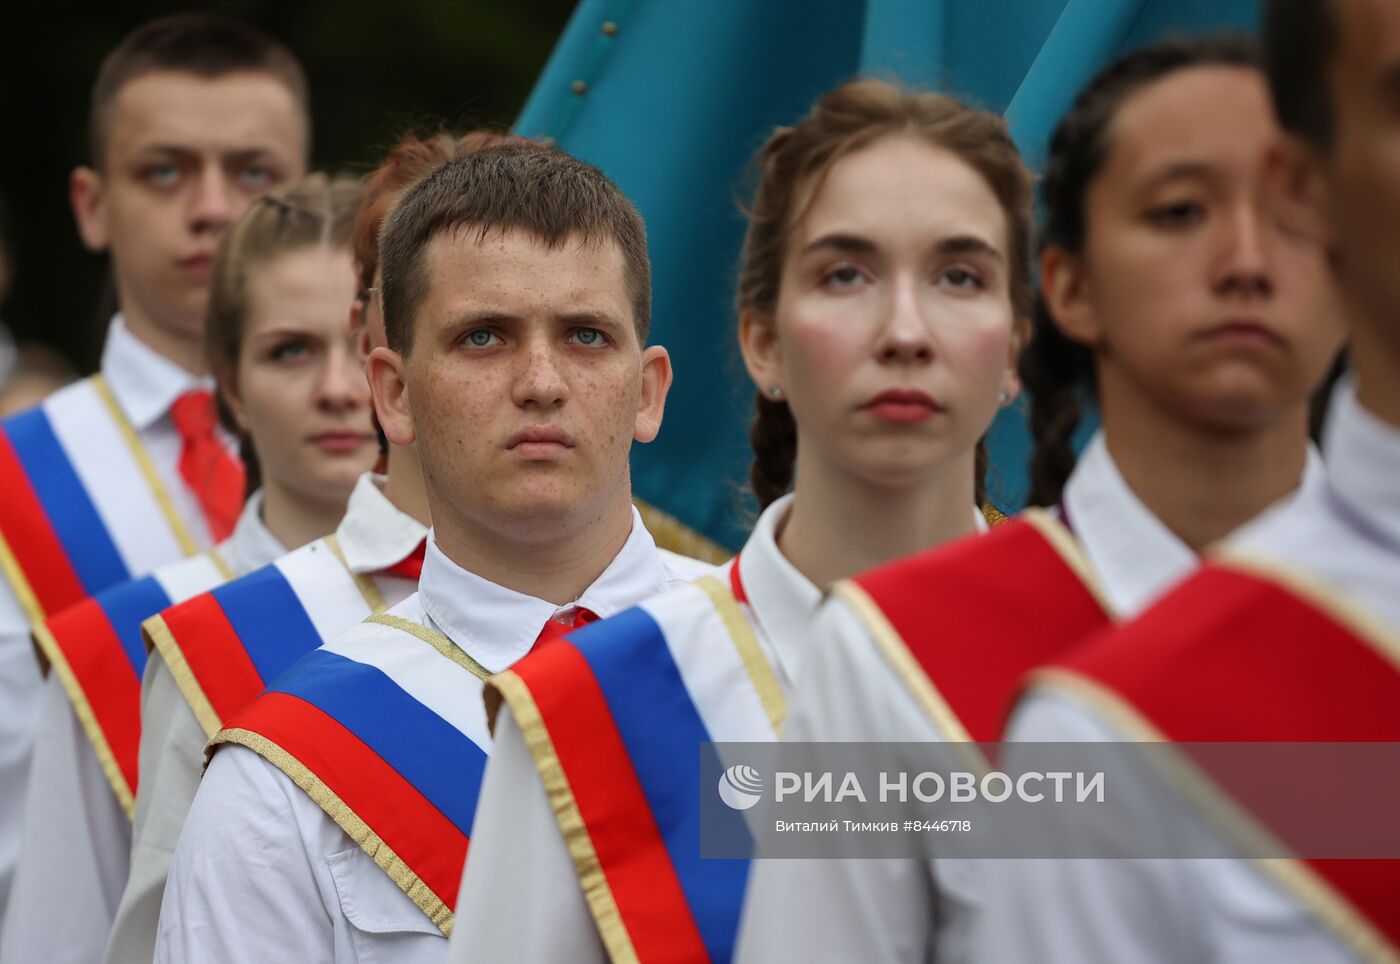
[516, 295]
[193, 116]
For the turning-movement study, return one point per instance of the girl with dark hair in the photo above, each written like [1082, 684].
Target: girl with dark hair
[883, 290]
[292, 391]
[1170, 296]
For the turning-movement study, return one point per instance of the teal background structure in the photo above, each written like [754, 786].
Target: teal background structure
[672, 97]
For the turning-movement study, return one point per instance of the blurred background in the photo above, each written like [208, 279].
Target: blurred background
[669, 97]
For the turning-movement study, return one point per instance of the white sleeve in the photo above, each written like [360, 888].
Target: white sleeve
[520, 898]
[171, 762]
[20, 683]
[849, 909]
[74, 855]
[244, 886]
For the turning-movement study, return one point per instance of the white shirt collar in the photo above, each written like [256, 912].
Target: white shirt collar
[781, 598]
[1363, 462]
[497, 626]
[145, 382]
[251, 545]
[375, 533]
[1135, 556]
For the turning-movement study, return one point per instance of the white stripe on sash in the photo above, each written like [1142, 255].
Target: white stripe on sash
[711, 667]
[448, 690]
[189, 577]
[326, 591]
[113, 481]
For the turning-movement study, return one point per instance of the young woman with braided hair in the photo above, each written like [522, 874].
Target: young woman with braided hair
[1169, 295]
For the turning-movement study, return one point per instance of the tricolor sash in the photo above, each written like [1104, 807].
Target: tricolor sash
[96, 649]
[84, 508]
[384, 728]
[224, 646]
[963, 623]
[1316, 669]
[614, 715]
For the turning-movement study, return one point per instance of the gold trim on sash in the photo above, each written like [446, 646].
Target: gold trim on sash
[437, 641]
[1067, 547]
[601, 902]
[761, 675]
[1237, 824]
[901, 659]
[374, 599]
[225, 570]
[82, 709]
[14, 575]
[143, 462]
[359, 831]
[159, 637]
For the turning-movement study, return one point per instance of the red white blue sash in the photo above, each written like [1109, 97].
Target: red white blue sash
[613, 714]
[84, 508]
[97, 651]
[1315, 668]
[224, 646]
[385, 729]
[963, 623]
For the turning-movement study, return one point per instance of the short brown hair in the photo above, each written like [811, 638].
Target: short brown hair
[408, 162]
[317, 212]
[539, 190]
[793, 163]
[198, 43]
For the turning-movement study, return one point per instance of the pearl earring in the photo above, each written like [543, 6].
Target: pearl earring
[1004, 397]
[774, 392]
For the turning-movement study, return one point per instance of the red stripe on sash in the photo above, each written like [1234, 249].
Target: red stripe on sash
[415, 830]
[103, 672]
[600, 774]
[980, 613]
[1231, 657]
[216, 656]
[32, 540]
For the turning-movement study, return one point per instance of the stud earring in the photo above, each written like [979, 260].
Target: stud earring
[1004, 397]
[774, 392]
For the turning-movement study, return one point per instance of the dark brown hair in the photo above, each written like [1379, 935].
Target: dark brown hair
[204, 44]
[1057, 371]
[317, 212]
[539, 190]
[792, 164]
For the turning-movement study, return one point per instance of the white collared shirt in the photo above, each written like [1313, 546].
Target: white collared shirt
[77, 838]
[521, 899]
[145, 385]
[255, 848]
[1344, 530]
[907, 910]
[374, 535]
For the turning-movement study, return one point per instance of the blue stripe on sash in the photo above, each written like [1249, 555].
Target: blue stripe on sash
[436, 758]
[129, 605]
[266, 613]
[663, 732]
[70, 511]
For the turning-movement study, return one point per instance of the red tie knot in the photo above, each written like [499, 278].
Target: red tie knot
[194, 415]
[565, 623]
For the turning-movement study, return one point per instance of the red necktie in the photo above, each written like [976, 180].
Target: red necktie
[411, 565]
[564, 625]
[212, 474]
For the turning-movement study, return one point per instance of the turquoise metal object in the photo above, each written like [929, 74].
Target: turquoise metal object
[672, 97]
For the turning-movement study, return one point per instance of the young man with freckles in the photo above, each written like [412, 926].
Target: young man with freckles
[336, 809]
[192, 117]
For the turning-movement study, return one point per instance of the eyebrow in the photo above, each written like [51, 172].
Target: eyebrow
[585, 319]
[181, 151]
[1181, 170]
[855, 244]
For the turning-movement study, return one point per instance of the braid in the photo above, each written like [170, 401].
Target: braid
[1056, 373]
[773, 436]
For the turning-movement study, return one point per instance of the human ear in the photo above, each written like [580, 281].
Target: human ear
[385, 370]
[1066, 292]
[89, 202]
[758, 343]
[1297, 190]
[1011, 376]
[656, 382]
[227, 380]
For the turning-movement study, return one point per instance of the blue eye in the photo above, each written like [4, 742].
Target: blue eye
[589, 337]
[480, 337]
[843, 276]
[161, 175]
[290, 351]
[256, 176]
